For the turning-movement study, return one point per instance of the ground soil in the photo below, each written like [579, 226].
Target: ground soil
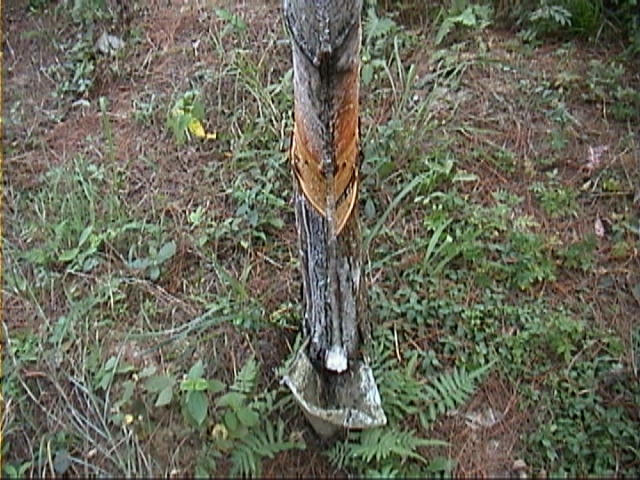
[46, 130]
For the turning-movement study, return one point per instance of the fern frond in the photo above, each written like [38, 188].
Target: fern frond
[382, 450]
[380, 443]
[450, 390]
[338, 454]
[386, 471]
[376, 27]
[400, 390]
[247, 377]
[245, 462]
[401, 395]
[268, 442]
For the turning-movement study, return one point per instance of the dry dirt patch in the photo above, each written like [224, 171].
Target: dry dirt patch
[164, 181]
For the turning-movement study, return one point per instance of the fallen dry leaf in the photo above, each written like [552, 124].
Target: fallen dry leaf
[599, 227]
[595, 157]
[197, 129]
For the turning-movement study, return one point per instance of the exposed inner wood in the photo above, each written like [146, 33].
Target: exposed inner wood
[307, 162]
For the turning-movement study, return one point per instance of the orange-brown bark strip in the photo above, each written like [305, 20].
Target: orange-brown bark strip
[307, 161]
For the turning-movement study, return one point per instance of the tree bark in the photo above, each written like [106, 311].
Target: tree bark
[325, 161]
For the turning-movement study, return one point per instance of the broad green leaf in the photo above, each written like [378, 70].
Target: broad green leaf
[124, 367]
[23, 469]
[140, 263]
[247, 417]
[111, 363]
[127, 392]
[167, 251]
[159, 382]
[105, 380]
[90, 263]
[369, 209]
[224, 14]
[61, 462]
[154, 273]
[37, 256]
[216, 386]
[68, 255]
[230, 421]
[444, 30]
[224, 444]
[147, 371]
[85, 235]
[197, 108]
[201, 472]
[467, 18]
[183, 122]
[277, 223]
[10, 471]
[194, 384]
[196, 371]
[164, 397]
[231, 399]
[367, 73]
[197, 405]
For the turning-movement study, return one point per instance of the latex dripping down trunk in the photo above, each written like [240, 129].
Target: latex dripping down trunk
[325, 162]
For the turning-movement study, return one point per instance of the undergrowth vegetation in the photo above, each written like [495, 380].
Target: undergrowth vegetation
[150, 269]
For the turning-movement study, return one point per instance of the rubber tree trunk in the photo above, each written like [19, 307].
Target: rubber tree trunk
[325, 160]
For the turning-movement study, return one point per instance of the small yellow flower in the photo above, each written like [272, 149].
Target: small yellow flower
[128, 419]
[219, 432]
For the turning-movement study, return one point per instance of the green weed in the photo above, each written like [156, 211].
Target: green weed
[464, 14]
[86, 12]
[555, 199]
[150, 265]
[116, 354]
[580, 254]
[406, 394]
[580, 429]
[606, 84]
[185, 117]
[145, 107]
[236, 419]
[37, 6]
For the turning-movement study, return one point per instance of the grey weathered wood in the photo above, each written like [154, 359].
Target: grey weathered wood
[326, 37]
[333, 291]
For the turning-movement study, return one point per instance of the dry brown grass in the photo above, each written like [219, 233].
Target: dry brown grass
[166, 183]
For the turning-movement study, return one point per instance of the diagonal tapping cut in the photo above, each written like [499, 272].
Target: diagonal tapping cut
[325, 149]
